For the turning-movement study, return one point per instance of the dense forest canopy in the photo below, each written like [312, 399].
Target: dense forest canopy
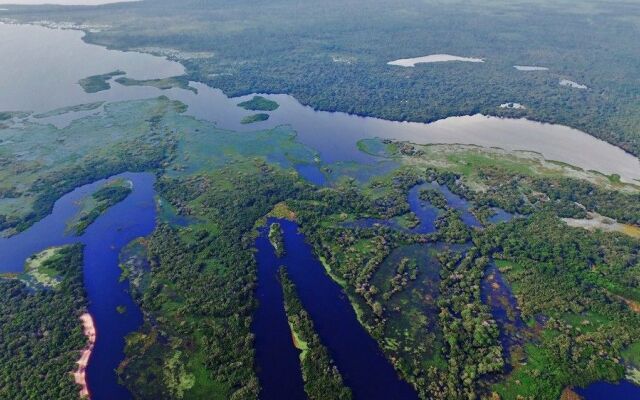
[521, 308]
[333, 54]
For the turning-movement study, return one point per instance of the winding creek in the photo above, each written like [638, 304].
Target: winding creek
[334, 135]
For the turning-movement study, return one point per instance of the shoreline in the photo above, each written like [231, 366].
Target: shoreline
[80, 375]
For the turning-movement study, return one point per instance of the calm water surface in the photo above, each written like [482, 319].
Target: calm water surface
[356, 354]
[103, 240]
[52, 61]
[276, 357]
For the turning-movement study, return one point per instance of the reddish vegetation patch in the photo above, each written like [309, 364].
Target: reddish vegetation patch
[80, 375]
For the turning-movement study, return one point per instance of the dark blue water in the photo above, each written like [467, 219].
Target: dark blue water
[500, 215]
[311, 173]
[426, 213]
[496, 293]
[103, 240]
[359, 359]
[624, 390]
[277, 359]
[456, 202]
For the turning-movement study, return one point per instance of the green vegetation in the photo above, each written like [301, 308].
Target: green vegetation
[322, 380]
[138, 137]
[98, 83]
[418, 295]
[250, 119]
[181, 82]
[259, 103]
[570, 277]
[40, 268]
[65, 110]
[41, 333]
[199, 287]
[434, 197]
[93, 206]
[276, 239]
[334, 57]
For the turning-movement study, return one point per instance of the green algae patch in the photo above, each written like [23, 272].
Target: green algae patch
[65, 110]
[251, 119]
[41, 270]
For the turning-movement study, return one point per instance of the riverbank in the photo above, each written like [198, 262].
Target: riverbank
[80, 375]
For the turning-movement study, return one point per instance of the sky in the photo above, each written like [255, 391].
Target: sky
[66, 2]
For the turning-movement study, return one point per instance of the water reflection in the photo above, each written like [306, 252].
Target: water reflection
[53, 61]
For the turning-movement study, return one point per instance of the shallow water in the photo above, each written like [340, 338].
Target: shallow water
[433, 58]
[103, 240]
[530, 68]
[54, 60]
[496, 293]
[356, 354]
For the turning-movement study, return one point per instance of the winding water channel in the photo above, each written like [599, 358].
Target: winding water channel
[357, 356]
[103, 240]
[53, 61]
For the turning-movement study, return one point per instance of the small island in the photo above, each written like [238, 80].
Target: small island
[319, 372]
[259, 103]
[250, 119]
[98, 83]
[276, 239]
[180, 82]
[434, 197]
[91, 207]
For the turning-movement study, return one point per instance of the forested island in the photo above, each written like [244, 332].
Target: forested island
[322, 379]
[100, 201]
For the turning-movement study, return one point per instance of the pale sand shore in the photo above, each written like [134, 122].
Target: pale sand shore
[80, 375]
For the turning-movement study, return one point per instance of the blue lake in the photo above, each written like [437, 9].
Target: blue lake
[356, 354]
[103, 240]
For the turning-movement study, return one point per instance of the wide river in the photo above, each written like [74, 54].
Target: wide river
[35, 60]
[52, 61]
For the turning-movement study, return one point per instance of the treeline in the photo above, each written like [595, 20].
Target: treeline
[322, 380]
[41, 333]
[107, 196]
[134, 156]
[570, 284]
[199, 298]
[470, 334]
